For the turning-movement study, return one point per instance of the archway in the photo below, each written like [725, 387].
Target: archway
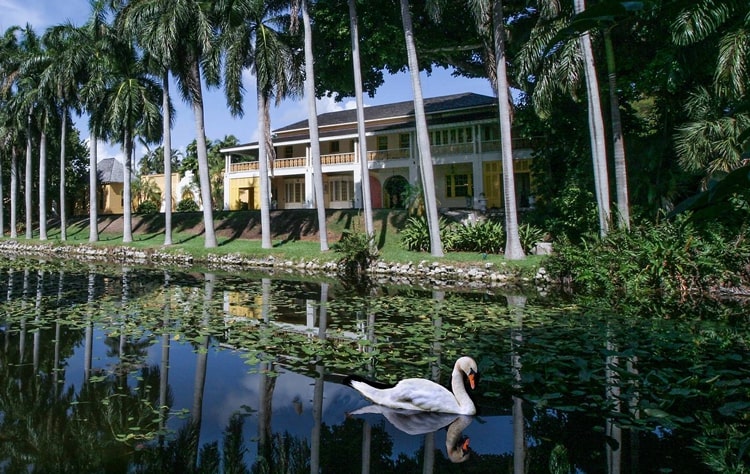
[395, 192]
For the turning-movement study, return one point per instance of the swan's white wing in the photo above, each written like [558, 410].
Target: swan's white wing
[421, 394]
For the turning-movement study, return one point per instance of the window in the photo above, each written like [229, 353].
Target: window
[403, 140]
[342, 188]
[335, 147]
[294, 190]
[458, 185]
[382, 143]
[289, 151]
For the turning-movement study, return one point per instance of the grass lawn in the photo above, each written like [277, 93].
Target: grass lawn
[294, 234]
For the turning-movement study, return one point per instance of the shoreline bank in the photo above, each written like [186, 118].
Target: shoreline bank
[422, 273]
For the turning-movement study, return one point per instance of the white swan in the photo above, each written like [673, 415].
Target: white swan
[423, 394]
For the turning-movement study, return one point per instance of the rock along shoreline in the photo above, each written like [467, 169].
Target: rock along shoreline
[422, 273]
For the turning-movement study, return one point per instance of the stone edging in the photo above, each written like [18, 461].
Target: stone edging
[423, 273]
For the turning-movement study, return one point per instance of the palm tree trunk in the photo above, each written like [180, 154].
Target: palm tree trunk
[63, 215]
[618, 139]
[265, 212]
[2, 208]
[27, 179]
[361, 140]
[423, 139]
[93, 187]
[167, 146]
[513, 248]
[13, 193]
[314, 135]
[203, 174]
[127, 229]
[596, 127]
[43, 184]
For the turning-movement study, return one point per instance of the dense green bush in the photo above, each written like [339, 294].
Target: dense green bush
[672, 261]
[187, 205]
[357, 250]
[486, 236]
[416, 234]
[529, 235]
[147, 207]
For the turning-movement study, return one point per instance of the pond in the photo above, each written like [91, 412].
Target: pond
[128, 369]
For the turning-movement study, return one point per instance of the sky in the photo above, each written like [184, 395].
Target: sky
[42, 14]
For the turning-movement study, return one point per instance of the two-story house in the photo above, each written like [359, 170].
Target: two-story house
[465, 146]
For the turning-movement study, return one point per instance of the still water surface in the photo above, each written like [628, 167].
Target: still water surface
[118, 369]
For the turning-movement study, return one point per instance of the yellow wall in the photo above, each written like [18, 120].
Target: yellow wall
[110, 198]
[158, 180]
[240, 185]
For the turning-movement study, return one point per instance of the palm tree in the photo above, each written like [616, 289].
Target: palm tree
[62, 76]
[131, 105]
[97, 48]
[179, 34]
[151, 24]
[312, 120]
[9, 54]
[482, 10]
[361, 137]
[24, 80]
[250, 40]
[560, 71]
[711, 140]
[423, 139]
[596, 127]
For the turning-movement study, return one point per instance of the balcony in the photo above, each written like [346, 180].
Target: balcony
[337, 159]
[298, 162]
[242, 167]
[452, 149]
[384, 155]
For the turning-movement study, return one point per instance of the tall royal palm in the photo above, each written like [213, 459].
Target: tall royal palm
[181, 38]
[561, 71]
[97, 47]
[486, 11]
[250, 38]
[9, 119]
[131, 105]
[710, 141]
[151, 23]
[596, 126]
[312, 121]
[25, 101]
[423, 139]
[61, 76]
[361, 136]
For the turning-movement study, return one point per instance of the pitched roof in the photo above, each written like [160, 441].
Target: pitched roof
[456, 102]
[109, 170]
[345, 121]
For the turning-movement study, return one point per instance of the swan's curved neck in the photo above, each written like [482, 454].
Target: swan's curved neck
[459, 389]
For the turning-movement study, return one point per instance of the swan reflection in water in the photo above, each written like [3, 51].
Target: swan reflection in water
[415, 423]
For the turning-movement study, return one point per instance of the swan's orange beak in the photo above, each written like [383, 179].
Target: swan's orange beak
[465, 445]
[472, 380]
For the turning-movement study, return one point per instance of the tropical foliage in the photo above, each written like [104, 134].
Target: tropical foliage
[678, 92]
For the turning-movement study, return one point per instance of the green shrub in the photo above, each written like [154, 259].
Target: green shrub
[357, 250]
[672, 262]
[415, 236]
[147, 207]
[187, 205]
[529, 235]
[486, 236]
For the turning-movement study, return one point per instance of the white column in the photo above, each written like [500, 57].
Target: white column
[357, 176]
[309, 182]
[415, 179]
[227, 167]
